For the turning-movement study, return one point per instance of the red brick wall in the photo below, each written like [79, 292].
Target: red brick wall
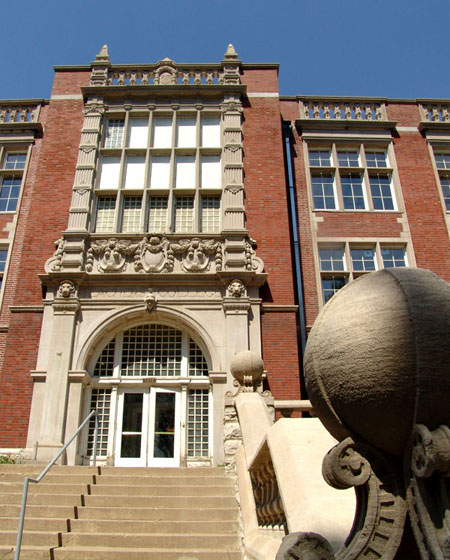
[268, 223]
[42, 217]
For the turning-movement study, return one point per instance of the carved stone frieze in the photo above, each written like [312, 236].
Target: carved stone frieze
[153, 255]
[197, 254]
[113, 255]
[165, 72]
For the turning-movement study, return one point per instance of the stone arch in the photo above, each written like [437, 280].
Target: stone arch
[121, 319]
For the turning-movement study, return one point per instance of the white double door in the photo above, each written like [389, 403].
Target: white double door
[148, 427]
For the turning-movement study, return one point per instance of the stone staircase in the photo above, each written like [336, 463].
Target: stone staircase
[87, 513]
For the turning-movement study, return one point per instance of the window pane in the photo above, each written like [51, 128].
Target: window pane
[363, 259]
[185, 178]
[9, 193]
[15, 161]
[376, 159]
[211, 133]
[114, 133]
[187, 132]
[393, 257]
[331, 285]
[160, 173]
[157, 218]
[320, 157]
[131, 214]
[323, 192]
[109, 173]
[3, 255]
[162, 133]
[445, 184]
[348, 159]
[104, 222]
[198, 423]
[135, 173]
[211, 172]
[331, 259]
[352, 192]
[138, 133]
[442, 161]
[210, 219]
[380, 187]
[184, 214]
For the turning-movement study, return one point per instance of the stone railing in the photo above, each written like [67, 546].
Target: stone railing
[342, 110]
[165, 72]
[435, 112]
[147, 76]
[278, 468]
[14, 113]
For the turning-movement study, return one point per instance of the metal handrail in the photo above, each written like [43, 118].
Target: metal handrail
[45, 471]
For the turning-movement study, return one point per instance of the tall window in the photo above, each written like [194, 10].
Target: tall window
[443, 165]
[348, 177]
[11, 174]
[3, 256]
[158, 167]
[342, 262]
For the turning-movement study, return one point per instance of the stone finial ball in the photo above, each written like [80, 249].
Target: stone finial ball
[246, 363]
[377, 360]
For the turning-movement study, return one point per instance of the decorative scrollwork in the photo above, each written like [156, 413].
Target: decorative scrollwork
[344, 467]
[54, 263]
[197, 254]
[268, 502]
[152, 255]
[252, 262]
[112, 253]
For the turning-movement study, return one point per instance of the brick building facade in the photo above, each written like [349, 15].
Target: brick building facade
[157, 219]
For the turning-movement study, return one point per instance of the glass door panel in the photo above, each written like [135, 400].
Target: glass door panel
[165, 428]
[132, 437]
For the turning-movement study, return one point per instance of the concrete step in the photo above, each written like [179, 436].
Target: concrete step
[72, 553]
[152, 471]
[212, 491]
[50, 478]
[33, 524]
[42, 499]
[33, 470]
[26, 553]
[35, 538]
[53, 511]
[167, 480]
[158, 527]
[219, 513]
[145, 540]
[44, 488]
[144, 501]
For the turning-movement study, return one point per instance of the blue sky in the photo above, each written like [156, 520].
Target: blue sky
[387, 48]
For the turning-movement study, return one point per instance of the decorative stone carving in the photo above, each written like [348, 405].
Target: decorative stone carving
[165, 72]
[112, 253]
[151, 301]
[253, 263]
[234, 188]
[232, 436]
[376, 368]
[66, 289]
[247, 368]
[309, 546]
[94, 108]
[153, 255]
[196, 254]
[236, 289]
[54, 262]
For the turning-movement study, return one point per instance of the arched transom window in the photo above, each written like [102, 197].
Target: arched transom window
[151, 350]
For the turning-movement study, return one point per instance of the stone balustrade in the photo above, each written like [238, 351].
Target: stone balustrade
[342, 110]
[149, 75]
[15, 113]
[435, 112]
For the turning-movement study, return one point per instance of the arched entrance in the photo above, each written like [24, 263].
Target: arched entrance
[151, 388]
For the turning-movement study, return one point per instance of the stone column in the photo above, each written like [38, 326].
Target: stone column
[52, 432]
[77, 381]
